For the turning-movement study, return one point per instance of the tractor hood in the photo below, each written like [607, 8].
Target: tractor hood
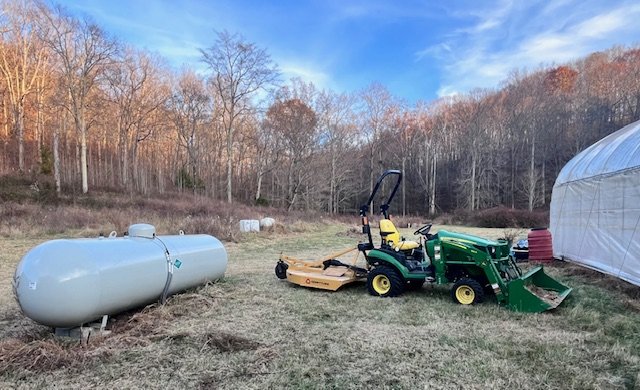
[474, 241]
[465, 238]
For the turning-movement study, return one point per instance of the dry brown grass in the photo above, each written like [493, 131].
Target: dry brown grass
[252, 330]
[108, 212]
[36, 350]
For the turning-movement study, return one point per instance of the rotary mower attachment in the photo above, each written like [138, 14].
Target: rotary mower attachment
[327, 273]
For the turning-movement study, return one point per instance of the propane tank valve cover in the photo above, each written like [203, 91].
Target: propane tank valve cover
[143, 230]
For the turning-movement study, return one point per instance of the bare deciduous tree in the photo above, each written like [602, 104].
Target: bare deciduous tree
[22, 57]
[188, 105]
[83, 50]
[377, 102]
[335, 120]
[137, 92]
[477, 150]
[295, 122]
[239, 70]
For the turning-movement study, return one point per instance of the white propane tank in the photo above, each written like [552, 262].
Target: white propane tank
[69, 282]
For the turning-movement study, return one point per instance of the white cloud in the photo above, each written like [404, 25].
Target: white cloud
[487, 25]
[447, 90]
[483, 54]
[491, 18]
[546, 48]
[554, 5]
[305, 72]
[603, 24]
[150, 30]
[438, 50]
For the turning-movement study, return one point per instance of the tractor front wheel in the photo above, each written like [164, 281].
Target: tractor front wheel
[467, 291]
[384, 281]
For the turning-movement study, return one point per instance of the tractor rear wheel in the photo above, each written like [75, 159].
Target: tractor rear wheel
[467, 291]
[384, 281]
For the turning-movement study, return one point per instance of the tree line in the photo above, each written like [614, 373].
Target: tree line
[96, 113]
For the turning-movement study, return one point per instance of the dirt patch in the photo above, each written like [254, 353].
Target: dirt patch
[549, 296]
[227, 342]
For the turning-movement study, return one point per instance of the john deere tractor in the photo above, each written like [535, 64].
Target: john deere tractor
[473, 265]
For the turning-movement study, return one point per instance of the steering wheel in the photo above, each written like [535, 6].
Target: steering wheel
[424, 230]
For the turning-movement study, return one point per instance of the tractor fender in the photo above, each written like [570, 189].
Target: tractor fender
[377, 258]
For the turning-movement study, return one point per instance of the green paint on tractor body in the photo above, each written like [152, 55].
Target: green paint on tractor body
[377, 257]
[451, 257]
[472, 264]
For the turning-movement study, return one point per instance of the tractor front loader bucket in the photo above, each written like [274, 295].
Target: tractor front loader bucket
[535, 292]
[326, 273]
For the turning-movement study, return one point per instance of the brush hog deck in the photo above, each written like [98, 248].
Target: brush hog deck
[326, 273]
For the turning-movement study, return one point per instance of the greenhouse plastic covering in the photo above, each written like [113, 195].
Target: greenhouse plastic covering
[595, 206]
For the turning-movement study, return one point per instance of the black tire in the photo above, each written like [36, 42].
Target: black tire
[467, 291]
[281, 270]
[414, 285]
[384, 281]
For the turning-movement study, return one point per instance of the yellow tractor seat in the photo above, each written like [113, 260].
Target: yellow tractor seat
[391, 237]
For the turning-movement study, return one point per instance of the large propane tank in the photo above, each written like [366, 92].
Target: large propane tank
[66, 283]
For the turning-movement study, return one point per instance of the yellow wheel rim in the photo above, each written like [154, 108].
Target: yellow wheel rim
[465, 295]
[381, 284]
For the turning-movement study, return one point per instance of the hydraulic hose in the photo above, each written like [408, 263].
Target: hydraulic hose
[167, 284]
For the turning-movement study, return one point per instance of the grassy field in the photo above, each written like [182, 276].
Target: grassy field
[252, 330]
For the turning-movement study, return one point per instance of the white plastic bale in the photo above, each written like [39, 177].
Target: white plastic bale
[267, 222]
[249, 225]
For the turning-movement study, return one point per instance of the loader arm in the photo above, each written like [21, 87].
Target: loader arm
[457, 255]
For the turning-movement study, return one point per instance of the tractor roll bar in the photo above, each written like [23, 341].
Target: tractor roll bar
[383, 208]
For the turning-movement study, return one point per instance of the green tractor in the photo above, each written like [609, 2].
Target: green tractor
[473, 265]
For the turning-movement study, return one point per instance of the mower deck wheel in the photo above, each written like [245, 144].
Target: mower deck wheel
[281, 270]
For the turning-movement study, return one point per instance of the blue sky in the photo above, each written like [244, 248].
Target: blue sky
[420, 50]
